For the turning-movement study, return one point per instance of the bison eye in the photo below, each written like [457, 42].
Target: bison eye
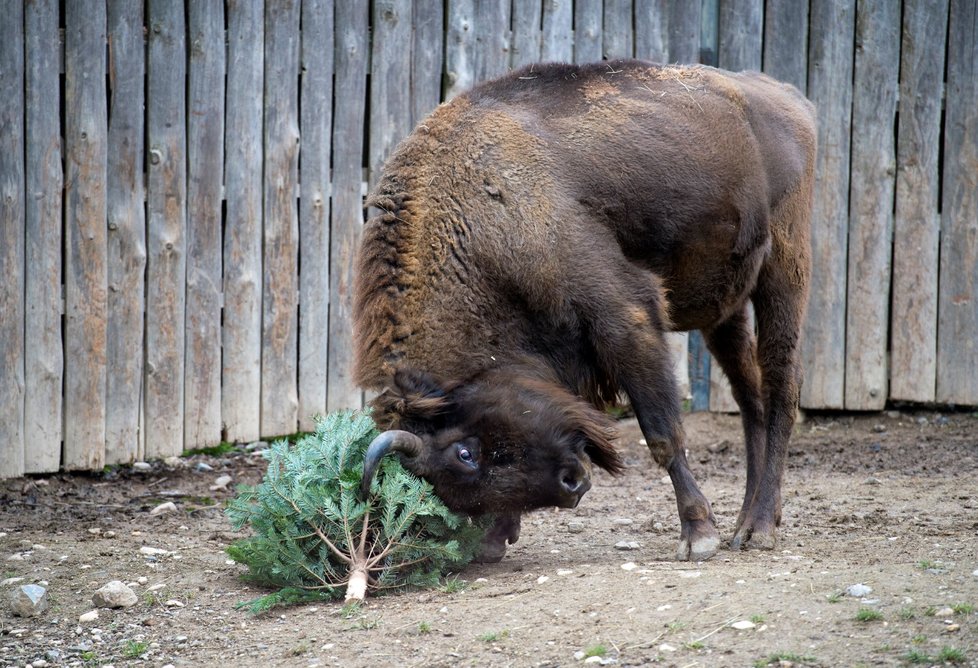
[466, 456]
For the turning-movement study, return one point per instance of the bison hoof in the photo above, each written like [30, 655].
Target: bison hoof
[491, 552]
[754, 539]
[699, 541]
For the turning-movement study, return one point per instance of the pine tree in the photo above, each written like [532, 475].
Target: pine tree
[314, 538]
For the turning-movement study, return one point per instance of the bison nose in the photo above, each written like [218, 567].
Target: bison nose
[574, 481]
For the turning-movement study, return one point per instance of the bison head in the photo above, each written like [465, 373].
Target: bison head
[508, 440]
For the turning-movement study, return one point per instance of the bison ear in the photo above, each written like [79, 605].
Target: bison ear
[598, 433]
[415, 396]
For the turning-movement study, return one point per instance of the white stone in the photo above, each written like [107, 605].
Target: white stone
[542, 579]
[564, 571]
[629, 566]
[114, 594]
[221, 483]
[142, 466]
[593, 659]
[28, 600]
[743, 625]
[89, 616]
[625, 545]
[173, 603]
[167, 507]
[10, 581]
[858, 590]
[666, 647]
[152, 551]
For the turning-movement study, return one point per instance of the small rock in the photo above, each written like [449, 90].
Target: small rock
[575, 527]
[16, 556]
[28, 600]
[53, 655]
[89, 616]
[666, 647]
[872, 481]
[39, 663]
[168, 507]
[623, 521]
[142, 579]
[564, 571]
[115, 594]
[142, 466]
[180, 639]
[858, 590]
[944, 612]
[221, 483]
[109, 534]
[626, 545]
[542, 579]
[922, 420]
[743, 625]
[10, 581]
[629, 566]
[717, 448]
[174, 462]
[579, 655]
[152, 551]
[257, 445]
[665, 480]
[95, 531]
[951, 628]
[879, 428]
[173, 603]
[203, 467]
[593, 659]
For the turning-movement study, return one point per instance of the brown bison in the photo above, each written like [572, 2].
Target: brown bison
[538, 235]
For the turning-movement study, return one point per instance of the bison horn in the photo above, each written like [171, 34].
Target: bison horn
[390, 441]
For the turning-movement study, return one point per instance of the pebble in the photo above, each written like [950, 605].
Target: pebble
[564, 571]
[975, 572]
[944, 612]
[743, 625]
[152, 551]
[221, 483]
[89, 616]
[28, 600]
[879, 428]
[858, 590]
[142, 466]
[168, 507]
[10, 581]
[623, 521]
[173, 603]
[174, 462]
[578, 527]
[629, 566]
[626, 545]
[114, 594]
[951, 628]
[666, 647]
[542, 579]
[203, 467]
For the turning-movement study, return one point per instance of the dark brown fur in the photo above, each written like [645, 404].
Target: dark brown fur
[537, 237]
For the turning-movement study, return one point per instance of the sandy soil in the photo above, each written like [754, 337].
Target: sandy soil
[885, 500]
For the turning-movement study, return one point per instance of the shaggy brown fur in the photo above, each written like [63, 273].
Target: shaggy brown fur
[537, 237]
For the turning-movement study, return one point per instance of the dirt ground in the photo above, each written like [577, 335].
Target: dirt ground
[886, 500]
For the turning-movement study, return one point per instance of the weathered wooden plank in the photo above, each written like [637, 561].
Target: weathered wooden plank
[527, 16]
[205, 153]
[280, 327]
[786, 41]
[389, 98]
[315, 122]
[709, 32]
[721, 396]
[957, 328]
[652, 30]
[679, 351]
[916, 230]
[428, 47]
[830, 87]
[741, 28]
[347, 212]
[558, 16]
[12, 214]
[588, 31]
[684, 22]
[44, 357]
[166, 273]
[699, 372]
[85, 231]
[874, 102]
[491, 38]
[618, 35]
[125, 208]
[459, 47]
[241, 333]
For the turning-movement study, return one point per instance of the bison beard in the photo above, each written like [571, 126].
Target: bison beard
[538, 235]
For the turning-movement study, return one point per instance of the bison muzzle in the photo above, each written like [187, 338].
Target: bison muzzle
[535, 239]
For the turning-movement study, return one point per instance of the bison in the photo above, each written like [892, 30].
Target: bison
[538, 236]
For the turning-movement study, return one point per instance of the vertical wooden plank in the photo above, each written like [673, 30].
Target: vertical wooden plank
[241, 332]
[427, 49]
[347, 213]
[280, 327]
[957, 328]
[44, 357]
[315, 122]
[12, 239]
[491, 39]
[685, 17]
[527, 16]
[830, 87]
[460, 47]
[619, 38]
[679, 351]
[699, 372]
[740, 30]
[709, 32]
[652, 30]
[871, 203]
[166, 272]
[916, 231]
[588, 35]
[558, 16]
[85, 231]
[205, 161]
[125, 207]
[389, 98]
[786, 41]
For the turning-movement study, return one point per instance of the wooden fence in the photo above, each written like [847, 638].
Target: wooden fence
[181, 189]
